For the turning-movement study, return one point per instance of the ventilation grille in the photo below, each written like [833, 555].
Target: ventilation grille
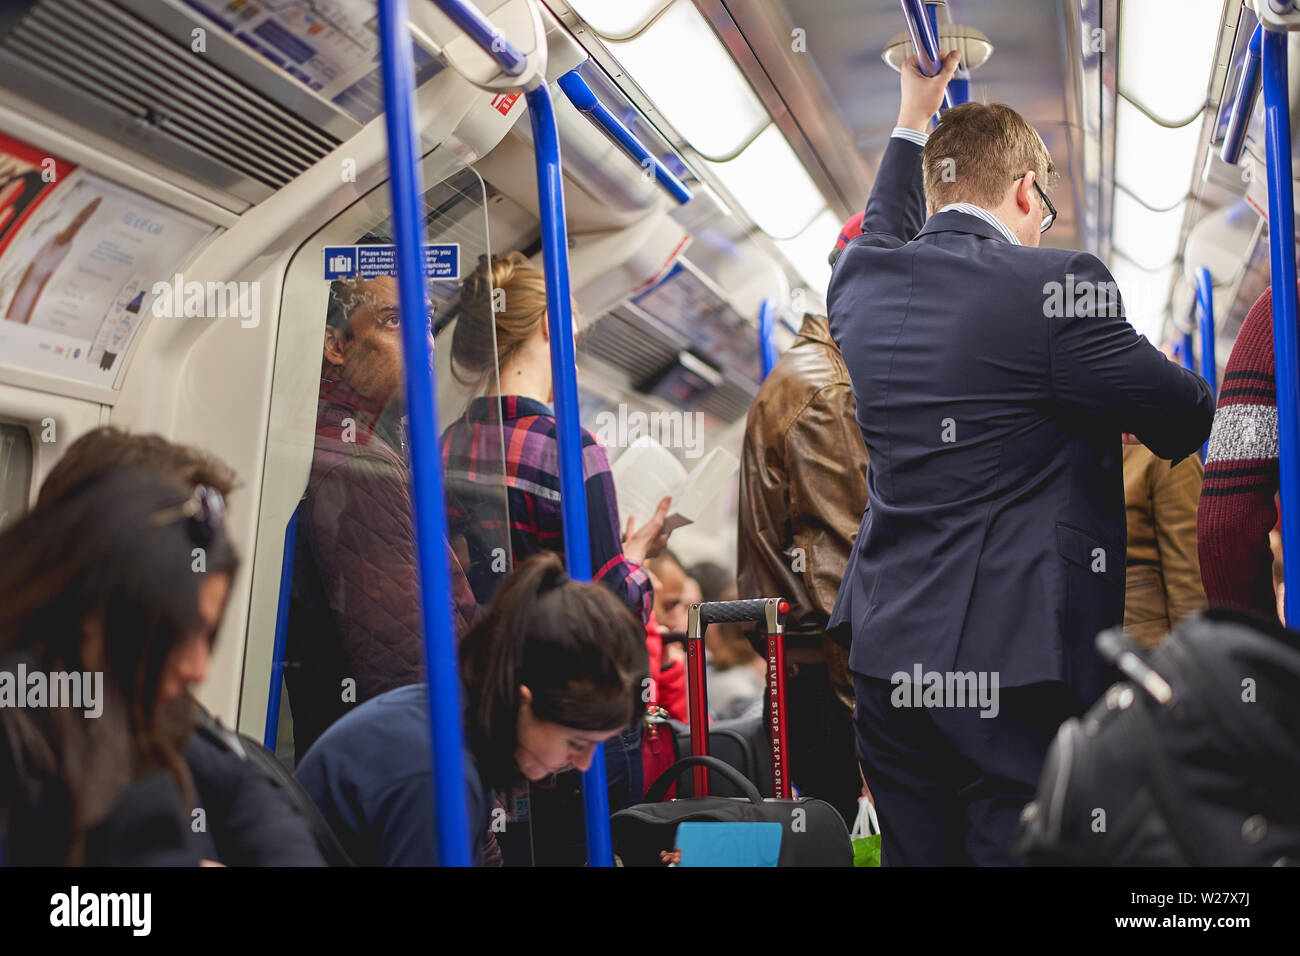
[730, 401]
[636, 347]
[125, 66]
[628, 345]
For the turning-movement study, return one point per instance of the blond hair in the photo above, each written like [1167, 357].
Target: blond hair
[500, 306]
[977, 151]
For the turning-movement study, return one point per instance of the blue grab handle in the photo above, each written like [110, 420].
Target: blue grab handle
[483, 32]
[451, 814]
[1243, 101]
[766, 335]
[586, 101]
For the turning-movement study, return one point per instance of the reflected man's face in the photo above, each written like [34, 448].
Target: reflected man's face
[370, 351]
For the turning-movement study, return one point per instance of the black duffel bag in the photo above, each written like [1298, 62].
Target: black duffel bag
[1193, 762]
[813, 831]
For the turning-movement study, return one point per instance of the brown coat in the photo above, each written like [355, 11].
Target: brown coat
[803, 485]
[1164, 576]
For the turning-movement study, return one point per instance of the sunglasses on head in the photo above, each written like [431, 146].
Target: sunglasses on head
[204, 513]
[1051, 210]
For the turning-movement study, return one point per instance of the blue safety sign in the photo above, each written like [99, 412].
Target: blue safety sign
[367, 262]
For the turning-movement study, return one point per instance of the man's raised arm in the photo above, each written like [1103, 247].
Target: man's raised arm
[896, 209]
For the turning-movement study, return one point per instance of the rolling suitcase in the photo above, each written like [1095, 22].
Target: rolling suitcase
[813, 833]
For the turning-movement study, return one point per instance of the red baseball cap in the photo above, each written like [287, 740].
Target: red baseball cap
[853, 227]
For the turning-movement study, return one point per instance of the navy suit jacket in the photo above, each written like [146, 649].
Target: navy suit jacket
[993, 381]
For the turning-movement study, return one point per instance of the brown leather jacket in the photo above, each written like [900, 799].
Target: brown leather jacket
[1164, 575]
[803, 485]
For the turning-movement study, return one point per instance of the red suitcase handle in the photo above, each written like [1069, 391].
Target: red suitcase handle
[770, 612]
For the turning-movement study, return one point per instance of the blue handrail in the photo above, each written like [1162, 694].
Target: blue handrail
[1186, 352]
[1243, 102]
[925, 38]
[272, 731]
[1286, 346]
[766, 335]
[564, 383]
[1205, 325]
[958, 90]
[485, 33]
[428, 503]
[582, 96]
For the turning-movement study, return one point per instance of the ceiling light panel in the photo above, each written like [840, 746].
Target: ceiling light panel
[1149, 238]
[771, 185]
[617, 19]
[693, 81]
[1153, 162]
[1166, 54]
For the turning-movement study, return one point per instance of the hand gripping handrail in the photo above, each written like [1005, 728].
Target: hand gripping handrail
[586, 101]
[568, 430]
[428, 503]
[1243, 101]
[958, 90]
[1286, 344]
[767, 335]
[925, 38]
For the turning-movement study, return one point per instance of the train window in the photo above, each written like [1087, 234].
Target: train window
[15, 471]
[337, 470]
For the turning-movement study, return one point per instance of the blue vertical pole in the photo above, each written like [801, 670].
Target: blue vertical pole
[272, 730]
[1186, 351]
[766, 335]
[451, 816]
[564, 382]
[1286, 346]
[1205, 325]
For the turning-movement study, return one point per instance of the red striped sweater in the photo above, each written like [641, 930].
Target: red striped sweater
[1237, 507]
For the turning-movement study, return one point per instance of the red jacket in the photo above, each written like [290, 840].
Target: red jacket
[667, 687]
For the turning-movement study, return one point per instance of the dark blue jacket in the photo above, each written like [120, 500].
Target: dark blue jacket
[992, 382]
[369, 774]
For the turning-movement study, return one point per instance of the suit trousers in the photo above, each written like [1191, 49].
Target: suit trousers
[949, 784]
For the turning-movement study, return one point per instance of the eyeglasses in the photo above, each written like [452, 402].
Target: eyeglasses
[1051, 210]
[204, 510]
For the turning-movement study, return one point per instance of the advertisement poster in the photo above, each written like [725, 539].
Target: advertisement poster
[27, 177]
[76, 276]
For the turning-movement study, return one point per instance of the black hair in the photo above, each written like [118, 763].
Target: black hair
[127, 550]
[575, 646]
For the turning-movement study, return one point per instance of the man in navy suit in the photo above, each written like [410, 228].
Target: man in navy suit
[993, 381]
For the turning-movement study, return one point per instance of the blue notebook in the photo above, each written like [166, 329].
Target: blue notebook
[729, 844]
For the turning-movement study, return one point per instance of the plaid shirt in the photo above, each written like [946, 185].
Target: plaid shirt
[525, 427]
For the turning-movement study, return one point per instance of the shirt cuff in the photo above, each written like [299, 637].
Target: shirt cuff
[911, 135]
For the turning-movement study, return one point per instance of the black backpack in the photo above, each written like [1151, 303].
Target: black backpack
[251, 750]
[1194, 761]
